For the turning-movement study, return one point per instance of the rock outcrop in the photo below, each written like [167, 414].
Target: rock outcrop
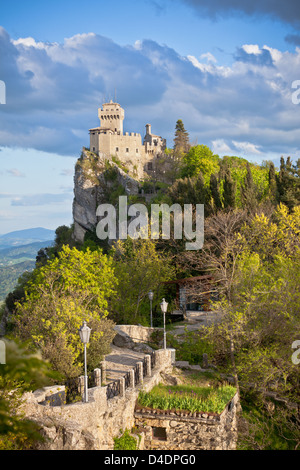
[97, 181]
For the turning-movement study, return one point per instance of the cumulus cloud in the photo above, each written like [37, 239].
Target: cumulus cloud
[246, 147]
[54, 91]
[253, 54]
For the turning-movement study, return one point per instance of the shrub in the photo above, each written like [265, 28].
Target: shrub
[125, 442]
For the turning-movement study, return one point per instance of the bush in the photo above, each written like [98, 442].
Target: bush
[125, 442]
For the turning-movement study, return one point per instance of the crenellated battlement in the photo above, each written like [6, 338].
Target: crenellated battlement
[110, 140]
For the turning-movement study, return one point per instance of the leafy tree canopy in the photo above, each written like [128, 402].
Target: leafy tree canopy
[200, 159]
[73, 287]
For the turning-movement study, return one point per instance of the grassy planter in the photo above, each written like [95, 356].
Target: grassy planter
[187, 398]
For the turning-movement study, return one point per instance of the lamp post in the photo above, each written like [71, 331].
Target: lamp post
[164, 306]
[84, 333]
[150, 295]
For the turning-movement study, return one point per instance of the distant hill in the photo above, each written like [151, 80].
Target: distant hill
[25, 237]
[18, 251]
[9, 276]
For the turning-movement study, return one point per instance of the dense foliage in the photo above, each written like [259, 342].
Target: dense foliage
[70, 288]
[252, 250]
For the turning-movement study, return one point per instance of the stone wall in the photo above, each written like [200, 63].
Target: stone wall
[92, 425]
[138, 334]
[189, 431]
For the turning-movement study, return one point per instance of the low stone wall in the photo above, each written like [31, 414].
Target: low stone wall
[92, 425]
[189, 431]
[138, 334]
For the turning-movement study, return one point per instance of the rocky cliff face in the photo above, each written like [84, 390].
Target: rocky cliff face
[97, 181]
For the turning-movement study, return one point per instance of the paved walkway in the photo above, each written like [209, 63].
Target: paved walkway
[195, 320]
[120, 361]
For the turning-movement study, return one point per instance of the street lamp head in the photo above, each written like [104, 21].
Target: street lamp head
[164, 306]
[150, 295]
[84, 333]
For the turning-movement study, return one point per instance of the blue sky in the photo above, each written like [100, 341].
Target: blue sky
[224, 67]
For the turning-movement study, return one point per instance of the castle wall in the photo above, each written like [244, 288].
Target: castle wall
[109, 139]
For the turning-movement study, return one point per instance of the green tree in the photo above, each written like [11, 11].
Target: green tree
[248, 191]
[139, 268]
[273, 193]
[188, 190]
[288, 183]
[72, 287]
[181, 140]
[22, 372]
[229, 191]
[215, 192]
[260, 312]
[200, 159]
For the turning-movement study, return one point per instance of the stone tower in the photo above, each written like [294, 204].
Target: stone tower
[111, 117]
[127, 148]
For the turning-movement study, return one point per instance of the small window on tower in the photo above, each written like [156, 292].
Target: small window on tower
[127, 150]
[117, 149]
[137, 150]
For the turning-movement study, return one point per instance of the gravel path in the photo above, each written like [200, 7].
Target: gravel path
[195, 320]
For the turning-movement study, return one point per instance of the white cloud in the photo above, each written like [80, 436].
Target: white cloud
[29, 42]
[220, 147]
[246, 147]
[55, 89]
[209, 57]
[252, 49]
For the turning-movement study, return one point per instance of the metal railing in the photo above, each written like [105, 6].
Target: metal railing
[152, 359]
[127, 380]
[145, 367]
[74, 392]
[113, 389]
[136, 374]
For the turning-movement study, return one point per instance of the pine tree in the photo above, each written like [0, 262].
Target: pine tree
[288, 183]
[229, 191]
[181, 140]
[215, 192]
[248, 191]
[273, 193]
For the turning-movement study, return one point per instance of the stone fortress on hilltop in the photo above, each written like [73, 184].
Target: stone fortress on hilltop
[110, 148]
[110, 140]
